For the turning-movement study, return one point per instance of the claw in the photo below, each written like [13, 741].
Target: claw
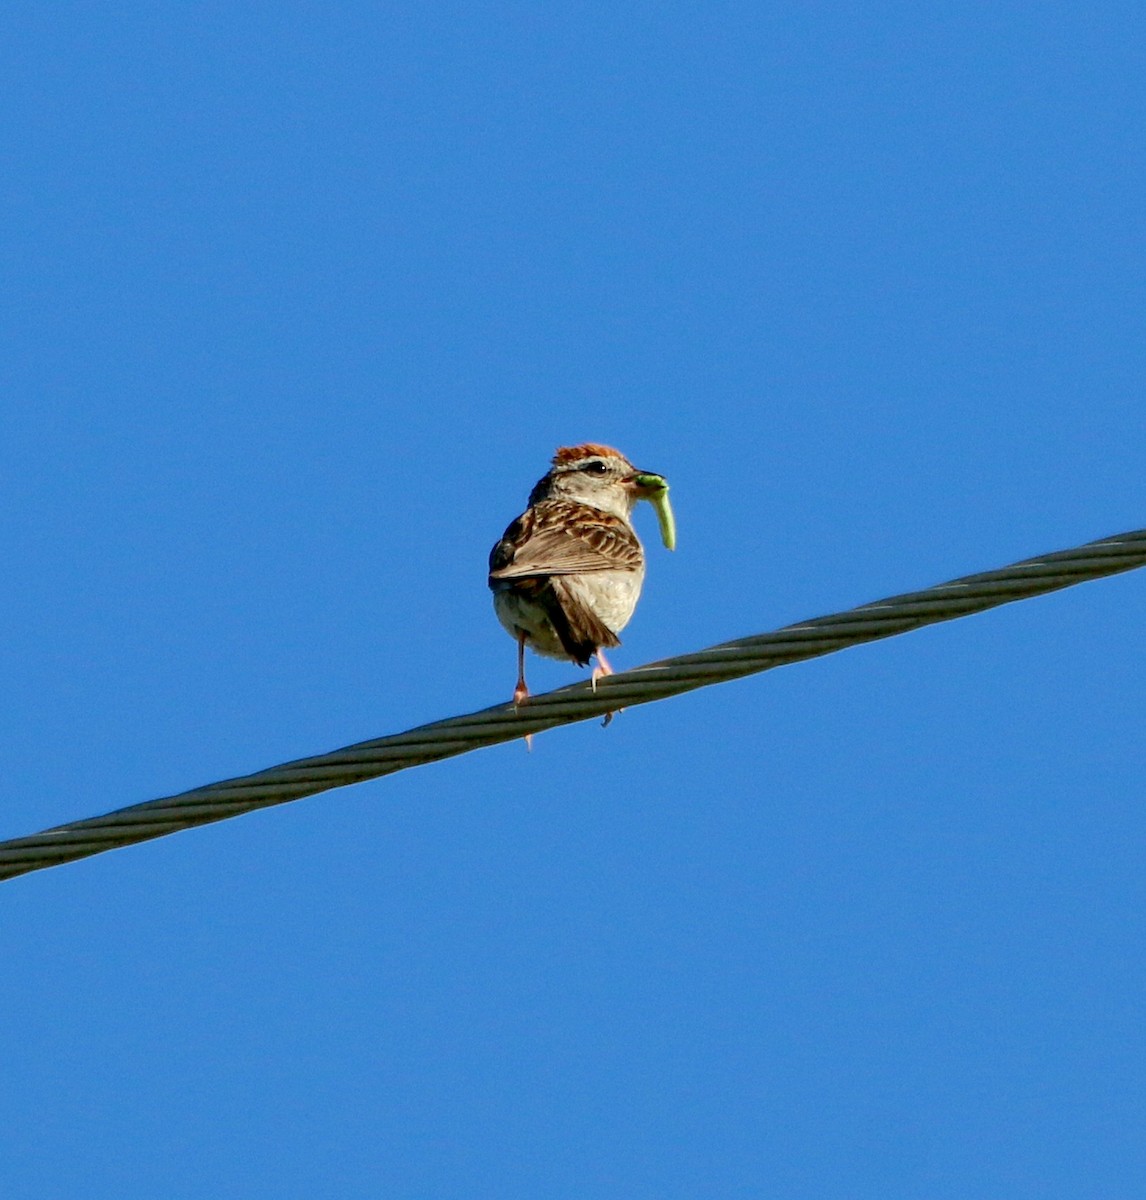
[602, 668]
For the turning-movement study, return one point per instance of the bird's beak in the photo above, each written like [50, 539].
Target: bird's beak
[655, 489]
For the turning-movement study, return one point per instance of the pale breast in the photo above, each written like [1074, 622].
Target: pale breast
[612, 595]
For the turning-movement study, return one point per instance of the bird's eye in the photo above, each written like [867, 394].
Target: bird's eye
[595, 467]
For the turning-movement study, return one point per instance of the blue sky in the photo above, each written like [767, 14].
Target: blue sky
[298, 301]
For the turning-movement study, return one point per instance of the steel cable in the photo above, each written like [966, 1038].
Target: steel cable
[578, 702]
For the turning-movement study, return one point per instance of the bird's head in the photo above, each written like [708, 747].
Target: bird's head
[605, 479]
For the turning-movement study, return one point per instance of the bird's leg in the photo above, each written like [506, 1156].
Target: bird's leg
[602, 668]
[521, 692]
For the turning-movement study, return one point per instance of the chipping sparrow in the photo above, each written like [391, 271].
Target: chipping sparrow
[566, 575]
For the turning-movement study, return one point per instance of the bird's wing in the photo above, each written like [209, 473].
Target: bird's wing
[564, 538]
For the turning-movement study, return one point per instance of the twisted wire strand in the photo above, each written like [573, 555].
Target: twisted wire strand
[578, 702]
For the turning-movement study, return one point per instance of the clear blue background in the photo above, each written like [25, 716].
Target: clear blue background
[298, 299]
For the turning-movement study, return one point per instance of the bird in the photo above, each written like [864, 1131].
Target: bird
[567, 573]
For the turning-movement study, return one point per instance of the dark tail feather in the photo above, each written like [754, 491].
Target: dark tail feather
[581, 631]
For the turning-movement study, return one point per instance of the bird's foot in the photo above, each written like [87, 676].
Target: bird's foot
[520, 695]
[601, 669]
